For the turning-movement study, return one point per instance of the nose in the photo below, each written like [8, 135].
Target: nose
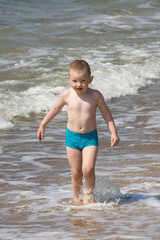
[78, 84]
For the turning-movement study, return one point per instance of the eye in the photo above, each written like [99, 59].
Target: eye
[74, 81]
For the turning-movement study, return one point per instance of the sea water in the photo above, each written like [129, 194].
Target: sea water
[39, 39]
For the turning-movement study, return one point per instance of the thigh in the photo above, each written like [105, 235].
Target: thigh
[89, 156]
[74, 158]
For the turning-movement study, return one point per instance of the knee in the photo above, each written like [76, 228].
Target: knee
[76, 174]
[88, 172]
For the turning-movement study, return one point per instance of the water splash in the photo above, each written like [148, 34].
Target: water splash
[106, 191]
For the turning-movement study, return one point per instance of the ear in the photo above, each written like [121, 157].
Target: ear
[91, 78]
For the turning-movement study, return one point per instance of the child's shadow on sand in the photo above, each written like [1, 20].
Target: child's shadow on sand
[106, 191]
[135, 197]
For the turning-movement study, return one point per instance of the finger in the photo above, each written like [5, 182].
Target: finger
[114, 142]
[40, 136]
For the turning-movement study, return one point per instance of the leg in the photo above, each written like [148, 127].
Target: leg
[88, 169]
[75, 161]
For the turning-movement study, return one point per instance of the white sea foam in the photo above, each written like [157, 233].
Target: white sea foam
[122, 80]
[33, 100]
[119, 68]
[5, 123]
[153, 203]
[114, 80]
[127, 21]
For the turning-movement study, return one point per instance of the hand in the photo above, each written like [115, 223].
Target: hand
[114, 140]
[40, 133]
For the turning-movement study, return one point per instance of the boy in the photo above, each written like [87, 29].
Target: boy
[81, 132]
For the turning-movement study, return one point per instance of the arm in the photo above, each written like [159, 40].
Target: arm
[55, 109]
[109, 120]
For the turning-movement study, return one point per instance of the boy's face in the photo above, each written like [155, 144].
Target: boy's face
[80, 81]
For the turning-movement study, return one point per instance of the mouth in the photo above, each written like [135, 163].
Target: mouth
[79, 89]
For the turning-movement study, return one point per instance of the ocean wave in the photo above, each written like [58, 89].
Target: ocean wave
[134, 68]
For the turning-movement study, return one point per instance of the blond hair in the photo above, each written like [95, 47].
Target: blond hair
[80, 66]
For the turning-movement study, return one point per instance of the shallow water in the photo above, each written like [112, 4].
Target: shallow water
[120, 40]
[36, 188]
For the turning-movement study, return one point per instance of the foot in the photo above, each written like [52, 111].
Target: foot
[88, 199]
[77, 202]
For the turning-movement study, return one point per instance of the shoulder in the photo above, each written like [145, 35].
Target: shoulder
[96, 93]
[64, 96]
[65, 93]
[96, 97]
[99, 98]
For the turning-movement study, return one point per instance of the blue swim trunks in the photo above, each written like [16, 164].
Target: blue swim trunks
[81, 140]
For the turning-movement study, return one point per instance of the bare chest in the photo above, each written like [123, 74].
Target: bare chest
[82, 105]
